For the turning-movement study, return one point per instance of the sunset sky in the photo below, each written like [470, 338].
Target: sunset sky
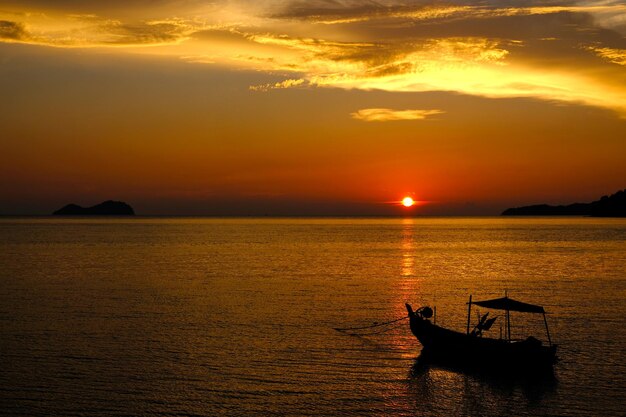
[310, 107]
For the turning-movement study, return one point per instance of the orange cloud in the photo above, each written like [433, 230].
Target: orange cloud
[616, 56]
[385, 115]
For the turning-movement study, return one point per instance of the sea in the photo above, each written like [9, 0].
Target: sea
[238, 316]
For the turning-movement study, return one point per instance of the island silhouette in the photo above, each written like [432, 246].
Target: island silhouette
[106, 208]
[607, 206]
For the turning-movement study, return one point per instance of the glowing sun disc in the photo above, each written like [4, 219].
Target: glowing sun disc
[407, 202]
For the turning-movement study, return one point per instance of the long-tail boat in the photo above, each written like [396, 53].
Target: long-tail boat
[471, 349]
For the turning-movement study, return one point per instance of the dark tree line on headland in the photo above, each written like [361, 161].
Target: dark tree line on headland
[608, 206]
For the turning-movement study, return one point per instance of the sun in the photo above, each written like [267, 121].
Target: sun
[407, 202]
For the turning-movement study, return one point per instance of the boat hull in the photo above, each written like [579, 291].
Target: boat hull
[461, 349]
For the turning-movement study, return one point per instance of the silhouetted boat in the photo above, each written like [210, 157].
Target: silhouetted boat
[472, 350]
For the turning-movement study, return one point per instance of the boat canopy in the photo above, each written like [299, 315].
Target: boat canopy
[506, 303]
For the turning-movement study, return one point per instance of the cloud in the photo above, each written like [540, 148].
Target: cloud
[616, 56]
[87, 30]
[331, 13]
[527, 48]
[144, 33]
[290, 83]
[385, 115]
[12, 31]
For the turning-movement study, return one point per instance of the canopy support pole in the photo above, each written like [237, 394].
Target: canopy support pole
[547, 330]
[508, 324]
[469, 311]
[508, 318]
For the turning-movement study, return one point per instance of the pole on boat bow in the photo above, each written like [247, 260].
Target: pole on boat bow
[547, 330]
[508, 317]
[469, 311]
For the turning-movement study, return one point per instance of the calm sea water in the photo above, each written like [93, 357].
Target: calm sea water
[235, 316]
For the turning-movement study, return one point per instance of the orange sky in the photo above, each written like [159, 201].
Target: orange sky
[316, 107]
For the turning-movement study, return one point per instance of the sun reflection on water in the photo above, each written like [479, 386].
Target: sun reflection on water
[408, 255]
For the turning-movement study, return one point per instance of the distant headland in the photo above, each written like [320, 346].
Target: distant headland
[608, 206]
[106, 208]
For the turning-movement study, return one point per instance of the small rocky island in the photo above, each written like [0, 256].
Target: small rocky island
[608, 206]
[107, 208]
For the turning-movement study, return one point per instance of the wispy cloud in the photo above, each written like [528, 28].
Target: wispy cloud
[331, 13]
[290, 83]
[87, 30]
[616, 56]
[386, 115]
